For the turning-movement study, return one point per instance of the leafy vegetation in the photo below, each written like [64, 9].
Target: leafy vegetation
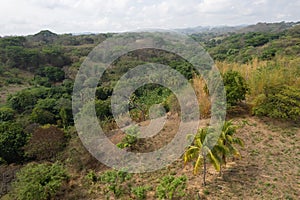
[235, 86]
[6, 114]
[171, 187]
[140, 192]
[12, 140]
[279, 102]
[115, 181]
[39, 181]
[224, 147]
[45, 143]
[130, 139]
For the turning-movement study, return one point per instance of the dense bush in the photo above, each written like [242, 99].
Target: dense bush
[64, 108]
[45, 143]
[41, 81]
[54, 74]
[6, 114]
[54, 56]
[12, 140]
[22, 100]
[39, 181]
[279, 102]
[103, 93]
[235, 86]
[42, 116]
[27, 98]
[103, 109]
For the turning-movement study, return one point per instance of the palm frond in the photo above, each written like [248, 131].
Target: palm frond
[214, 161]
[198, 164]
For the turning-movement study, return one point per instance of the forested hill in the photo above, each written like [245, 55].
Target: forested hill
[253, 41]
[46, 48]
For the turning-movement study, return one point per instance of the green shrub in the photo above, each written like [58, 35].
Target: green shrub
[91, 176]
[171, 187]
[39, 181]
[115, 181]
[140, 192]
[42, 116]
[130, 139]
[27, 98]
[235, 86]
[279, 102]
[22, 100]
[54, 74]
[103, 93]
[103, 109]
[12, 140]
[6, 114]
[13, 80]
[41, 81]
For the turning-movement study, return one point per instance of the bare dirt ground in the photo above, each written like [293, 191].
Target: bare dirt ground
[269, 168]
[8, 90]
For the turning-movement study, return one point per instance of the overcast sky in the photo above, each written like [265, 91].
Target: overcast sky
[22, 17]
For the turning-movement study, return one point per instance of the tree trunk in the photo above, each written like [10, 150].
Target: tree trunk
[204, 171]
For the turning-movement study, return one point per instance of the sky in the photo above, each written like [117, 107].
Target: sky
[23, 17]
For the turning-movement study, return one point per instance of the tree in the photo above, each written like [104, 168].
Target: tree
[227, 141]
[39, 181]
[27, 98]
[64, 106]
[22, 100]
[54, 56]
[235, 86]
[45, 143]
[47, 104]
[42, 116]
[45, 111]
[218, 154]
[12, 140]
[54, 74]
[201, 153]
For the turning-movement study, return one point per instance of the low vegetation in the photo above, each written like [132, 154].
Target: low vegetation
[39, 181]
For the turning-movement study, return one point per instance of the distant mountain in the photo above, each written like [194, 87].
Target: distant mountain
[45, 36]
[268, 27]
[259, 27]
[211, 29]
[83, 33]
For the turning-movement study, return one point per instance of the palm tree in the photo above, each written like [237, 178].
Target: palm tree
[217, 156]
[201, 153]
[227, 141]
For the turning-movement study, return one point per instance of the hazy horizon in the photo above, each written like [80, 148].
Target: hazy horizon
[99, 16]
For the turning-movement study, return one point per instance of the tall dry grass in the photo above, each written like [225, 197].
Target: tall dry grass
[258, 75]
[203, 97]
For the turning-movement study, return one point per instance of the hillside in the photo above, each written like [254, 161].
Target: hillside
[257, 154]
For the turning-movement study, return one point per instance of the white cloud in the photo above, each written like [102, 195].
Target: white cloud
[28, 17]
